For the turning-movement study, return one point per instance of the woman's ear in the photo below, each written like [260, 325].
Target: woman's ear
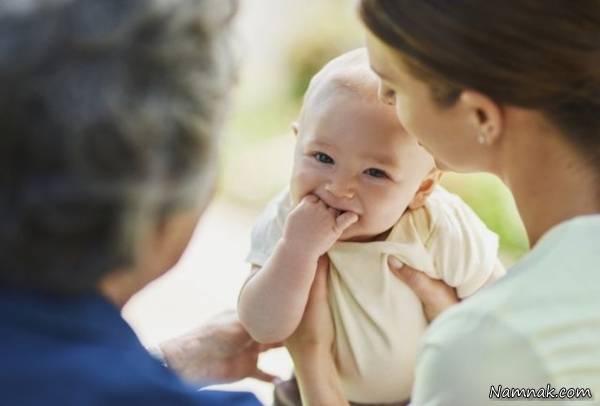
[485, 116]
[295, 128]
[425, 189]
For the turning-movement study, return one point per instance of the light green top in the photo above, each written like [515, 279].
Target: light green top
[538, 325]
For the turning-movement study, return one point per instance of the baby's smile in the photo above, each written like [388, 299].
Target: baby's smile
[339, 207]
[337, 211]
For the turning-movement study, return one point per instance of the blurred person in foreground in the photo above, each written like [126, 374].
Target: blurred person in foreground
[110, 112]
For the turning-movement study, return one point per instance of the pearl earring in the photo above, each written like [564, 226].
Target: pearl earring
[481, 137]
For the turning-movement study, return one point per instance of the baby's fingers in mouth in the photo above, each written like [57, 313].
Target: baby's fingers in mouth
[334, 212]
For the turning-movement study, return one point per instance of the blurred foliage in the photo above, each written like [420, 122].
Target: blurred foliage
[311, 49]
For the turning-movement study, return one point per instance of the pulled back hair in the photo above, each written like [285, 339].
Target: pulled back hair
[537, 54]
[109, 112]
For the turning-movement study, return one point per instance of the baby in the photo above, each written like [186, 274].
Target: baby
[362, 190]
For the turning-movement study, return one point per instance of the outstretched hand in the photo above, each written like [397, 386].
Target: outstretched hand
[220, 351]
[434, 294]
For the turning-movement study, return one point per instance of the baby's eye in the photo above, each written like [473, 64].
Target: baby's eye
[323, 158]
[376, 173]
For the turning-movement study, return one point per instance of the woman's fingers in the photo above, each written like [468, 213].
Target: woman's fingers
[317, 301]
[435, 295]
[316, 326]
[322, 266]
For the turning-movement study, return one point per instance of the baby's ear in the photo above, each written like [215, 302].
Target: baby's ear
[427, 186]
[295, 128]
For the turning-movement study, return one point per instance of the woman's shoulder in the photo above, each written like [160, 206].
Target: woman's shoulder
[467, 351]
[488, 306]
[548, 286]
[529, 325]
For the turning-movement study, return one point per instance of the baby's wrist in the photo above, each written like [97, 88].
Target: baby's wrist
[300, 250]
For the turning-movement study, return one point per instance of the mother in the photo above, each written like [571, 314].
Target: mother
[510, 88]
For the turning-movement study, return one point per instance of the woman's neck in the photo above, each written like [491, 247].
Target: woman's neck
[550, 179]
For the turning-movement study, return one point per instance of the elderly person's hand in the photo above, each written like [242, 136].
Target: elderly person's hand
[435, 295]
[220, 351]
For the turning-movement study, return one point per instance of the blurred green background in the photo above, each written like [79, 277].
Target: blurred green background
[281, 44]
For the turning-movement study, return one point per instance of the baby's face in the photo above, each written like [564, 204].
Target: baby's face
[355, 156]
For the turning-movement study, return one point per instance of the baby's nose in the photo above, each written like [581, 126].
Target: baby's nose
[340, 189]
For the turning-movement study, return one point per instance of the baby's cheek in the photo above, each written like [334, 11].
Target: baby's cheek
[302, 183]
[386, 212]
[370, 223]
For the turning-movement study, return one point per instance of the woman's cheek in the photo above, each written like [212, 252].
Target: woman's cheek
[407, 116]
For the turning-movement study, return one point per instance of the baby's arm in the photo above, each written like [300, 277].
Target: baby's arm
[272, 300]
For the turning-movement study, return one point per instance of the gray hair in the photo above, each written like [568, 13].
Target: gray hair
[110, 116]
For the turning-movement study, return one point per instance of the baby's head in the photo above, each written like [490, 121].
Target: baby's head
[352, 152]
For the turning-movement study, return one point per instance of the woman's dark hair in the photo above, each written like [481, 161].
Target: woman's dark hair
[109, 112]
[537, 54]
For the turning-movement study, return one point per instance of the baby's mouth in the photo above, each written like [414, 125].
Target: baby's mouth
[338, 212]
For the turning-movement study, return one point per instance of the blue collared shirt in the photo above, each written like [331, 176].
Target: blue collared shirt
[78, 350]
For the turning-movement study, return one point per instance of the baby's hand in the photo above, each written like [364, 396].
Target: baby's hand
[312, 228]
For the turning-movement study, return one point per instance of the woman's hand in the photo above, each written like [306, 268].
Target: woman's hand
[315, 331]
[435, 295]
[311, 344]
[218, 352]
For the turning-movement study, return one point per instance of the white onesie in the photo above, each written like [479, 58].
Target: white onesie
[379, 322]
